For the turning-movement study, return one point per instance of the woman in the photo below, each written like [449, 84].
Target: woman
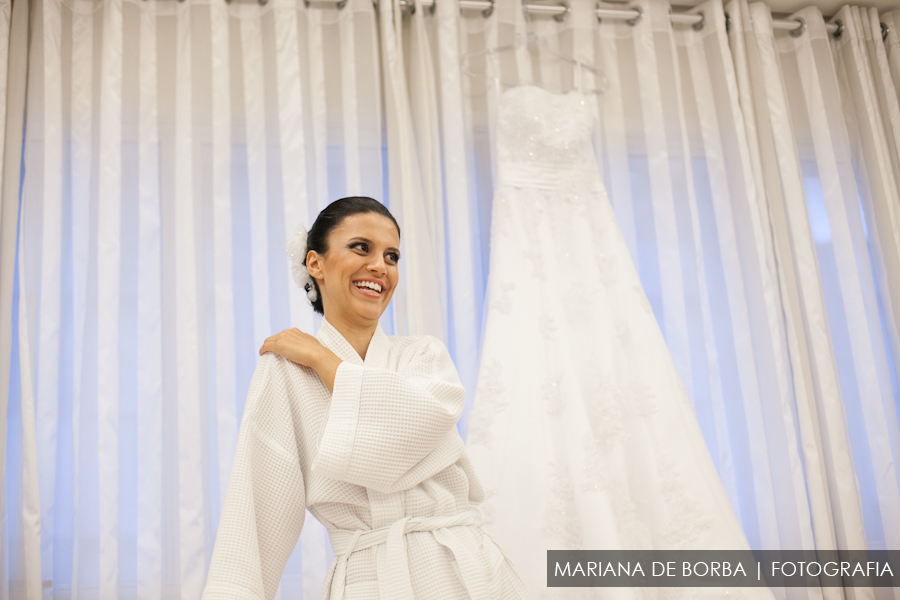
[359, 428]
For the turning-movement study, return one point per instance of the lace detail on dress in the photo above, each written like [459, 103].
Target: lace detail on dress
[501, 217]
[491, 400]
[503, 303]
[605, 264]
[685, 521]
[552, 396]
[605, 412]
[577, 302]
[635, 532]
[548, 328]
[562, 522]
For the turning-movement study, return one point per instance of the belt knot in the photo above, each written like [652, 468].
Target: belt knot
[345, 542]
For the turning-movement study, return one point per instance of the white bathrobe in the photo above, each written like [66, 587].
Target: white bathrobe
[379, 462]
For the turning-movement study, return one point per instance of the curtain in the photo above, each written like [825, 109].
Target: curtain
[170, 149]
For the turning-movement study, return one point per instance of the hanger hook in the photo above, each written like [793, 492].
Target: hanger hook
[529, 26]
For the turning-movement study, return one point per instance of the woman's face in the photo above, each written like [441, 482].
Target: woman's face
[358, 273]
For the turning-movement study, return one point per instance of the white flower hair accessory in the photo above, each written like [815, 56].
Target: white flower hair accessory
[296, 251]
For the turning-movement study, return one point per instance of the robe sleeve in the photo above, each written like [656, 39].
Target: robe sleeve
[383, 423]
[265, 504]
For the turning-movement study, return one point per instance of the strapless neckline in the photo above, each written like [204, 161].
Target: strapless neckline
[544, 139]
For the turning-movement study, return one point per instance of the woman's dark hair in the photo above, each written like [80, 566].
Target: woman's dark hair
[330, 218]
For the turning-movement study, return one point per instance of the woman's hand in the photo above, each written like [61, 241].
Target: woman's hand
[305, 350]
[294, 345]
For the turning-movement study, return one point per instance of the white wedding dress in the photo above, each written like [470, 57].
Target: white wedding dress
[581, 430]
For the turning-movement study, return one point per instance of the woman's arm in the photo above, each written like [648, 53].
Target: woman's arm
[304, 349]
[389, 430]
[265, 505]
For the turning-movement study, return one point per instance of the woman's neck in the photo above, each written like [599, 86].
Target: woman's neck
[358, 335]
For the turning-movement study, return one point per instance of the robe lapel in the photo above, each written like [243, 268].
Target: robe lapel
[376, 354]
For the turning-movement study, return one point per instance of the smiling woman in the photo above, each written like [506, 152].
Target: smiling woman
[358, 427]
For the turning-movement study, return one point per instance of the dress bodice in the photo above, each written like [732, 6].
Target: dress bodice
[541, 133]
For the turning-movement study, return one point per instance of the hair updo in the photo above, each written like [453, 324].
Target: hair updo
[330, 218]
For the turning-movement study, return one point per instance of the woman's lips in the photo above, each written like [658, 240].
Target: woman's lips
[368, 292]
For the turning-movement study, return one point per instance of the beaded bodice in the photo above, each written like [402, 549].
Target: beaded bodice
[541, 133]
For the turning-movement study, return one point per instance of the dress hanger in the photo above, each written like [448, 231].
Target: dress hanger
[530, 40]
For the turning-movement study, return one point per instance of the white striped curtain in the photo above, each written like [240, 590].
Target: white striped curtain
[170, 148]
[832, 205]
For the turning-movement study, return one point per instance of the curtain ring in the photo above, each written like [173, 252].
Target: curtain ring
[561, 17]
[885, 30]
[798, 31]
[340, 5]
[840, 29]
[727, 22]
[486, 12]
[699, 24]
[637, 19]
[597, 7]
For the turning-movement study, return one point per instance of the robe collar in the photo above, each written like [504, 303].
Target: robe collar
[376, 354]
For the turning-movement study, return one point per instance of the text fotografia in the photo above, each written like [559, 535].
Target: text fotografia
[723, 568]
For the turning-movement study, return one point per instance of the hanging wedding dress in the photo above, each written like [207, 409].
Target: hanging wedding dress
[581, 429]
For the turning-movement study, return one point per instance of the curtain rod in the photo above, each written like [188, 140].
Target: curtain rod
[630, 15]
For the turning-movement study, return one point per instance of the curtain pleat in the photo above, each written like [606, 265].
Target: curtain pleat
[254, 119]
[109, 260]
[871, 114]
[13, 51]
[319, 116]
[150, 476]
[418, 305]
[464, 275]
[50, 309]
[662, 137]
[81, 177]
[192, 534]
[727, 196]
[796, 262]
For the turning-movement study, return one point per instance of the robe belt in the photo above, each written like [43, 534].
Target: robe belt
[397, 581]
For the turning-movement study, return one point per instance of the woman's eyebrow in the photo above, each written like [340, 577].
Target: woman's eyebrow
[368, 241]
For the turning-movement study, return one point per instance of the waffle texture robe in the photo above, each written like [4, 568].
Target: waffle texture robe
[379, 462]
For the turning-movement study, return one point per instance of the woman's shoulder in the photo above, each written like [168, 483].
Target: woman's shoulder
[274, 369]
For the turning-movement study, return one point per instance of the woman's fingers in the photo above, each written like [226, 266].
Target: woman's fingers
[292, 344]
[269, 345]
